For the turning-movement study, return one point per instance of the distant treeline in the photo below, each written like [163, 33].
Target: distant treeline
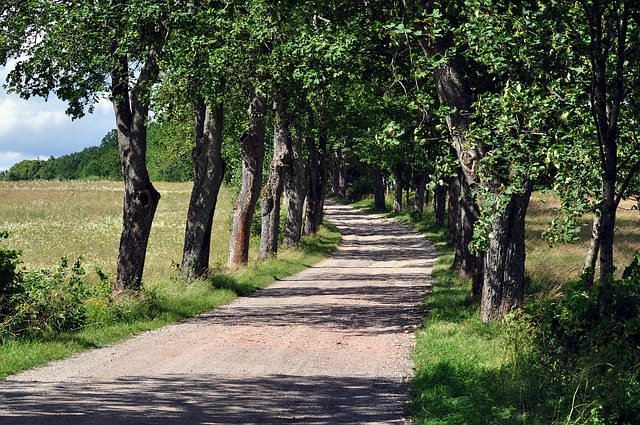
[167, 159]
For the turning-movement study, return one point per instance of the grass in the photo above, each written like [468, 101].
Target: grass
[470, 373]
[550, 267]
[49, 220]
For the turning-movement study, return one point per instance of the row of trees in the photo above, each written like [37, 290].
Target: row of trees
[482, 98]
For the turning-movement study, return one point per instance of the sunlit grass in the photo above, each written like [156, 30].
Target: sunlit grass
[48, 220]
[550, 267]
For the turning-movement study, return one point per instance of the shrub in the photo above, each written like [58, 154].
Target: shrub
[360, 187]
[589, 344]
[51, 301]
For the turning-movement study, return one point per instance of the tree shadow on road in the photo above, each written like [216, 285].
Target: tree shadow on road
[203, 399]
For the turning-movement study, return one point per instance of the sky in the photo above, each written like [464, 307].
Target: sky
[33, 128]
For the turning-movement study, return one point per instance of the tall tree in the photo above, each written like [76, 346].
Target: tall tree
[498, 114]
[199, 66]
[272, 192]
[80, 50]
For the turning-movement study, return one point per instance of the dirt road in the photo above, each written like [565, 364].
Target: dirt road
[329, 345]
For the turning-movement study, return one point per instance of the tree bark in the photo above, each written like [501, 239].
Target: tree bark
[295, 186]
[421, 183]
[339, 171]
[589, 267]
[272, 192]
[314, 202]
[252, 146]
[141, 199]
[463, 213]
[378, 188]
[440, 205]
[504, 274]
[398, 170]
[208, 172]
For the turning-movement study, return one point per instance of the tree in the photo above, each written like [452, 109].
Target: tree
[80, 50]
[272, 192]
[490, 78]
[194, 88]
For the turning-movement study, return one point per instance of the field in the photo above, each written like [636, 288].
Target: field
[551, 266]
[49, 220]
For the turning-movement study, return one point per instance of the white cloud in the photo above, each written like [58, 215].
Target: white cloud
[8, 158]
[37, 128]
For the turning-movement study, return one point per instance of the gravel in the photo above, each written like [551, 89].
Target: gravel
[328, 345]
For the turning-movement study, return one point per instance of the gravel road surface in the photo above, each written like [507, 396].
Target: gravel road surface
[329, 345]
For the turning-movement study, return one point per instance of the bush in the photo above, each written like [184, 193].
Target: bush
[40, 303]
[360, 187]
[50, 301]
[589, 344]
[9, 278]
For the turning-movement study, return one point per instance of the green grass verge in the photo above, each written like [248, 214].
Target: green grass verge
[170, 301]
[467, 372]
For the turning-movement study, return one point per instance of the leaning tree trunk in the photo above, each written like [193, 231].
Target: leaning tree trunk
[140, 197]
[378, 188]
[398, 170]
[208, 171]
[295, 186]
[252, 146]
[504, 274]
[314, 202]
[272, 192]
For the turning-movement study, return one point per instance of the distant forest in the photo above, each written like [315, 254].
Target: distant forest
[167, 160]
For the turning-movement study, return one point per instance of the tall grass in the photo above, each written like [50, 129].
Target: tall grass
[50, 220]
[551, 267]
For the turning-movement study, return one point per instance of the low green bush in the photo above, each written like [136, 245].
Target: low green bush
[588, 346]
[40, 303]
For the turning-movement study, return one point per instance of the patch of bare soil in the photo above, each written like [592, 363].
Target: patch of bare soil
[329, 345]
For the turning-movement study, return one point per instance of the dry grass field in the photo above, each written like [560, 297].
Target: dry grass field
[49, 220]
[550, 267]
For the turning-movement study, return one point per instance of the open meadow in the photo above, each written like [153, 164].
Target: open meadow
[549, 267]
[47, 220]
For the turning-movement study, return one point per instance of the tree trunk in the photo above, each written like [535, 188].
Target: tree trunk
[589, 267]
[252, 146]
[421, 183]
[208, 171]
[607, 226]
[463, 213]
[342, 171]
[504, 274]
[440, 205]
[378, 188]
[314, 202]
[295, 186]
[272, 192]
[339, 171]
[398, 170]
[140, 197]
